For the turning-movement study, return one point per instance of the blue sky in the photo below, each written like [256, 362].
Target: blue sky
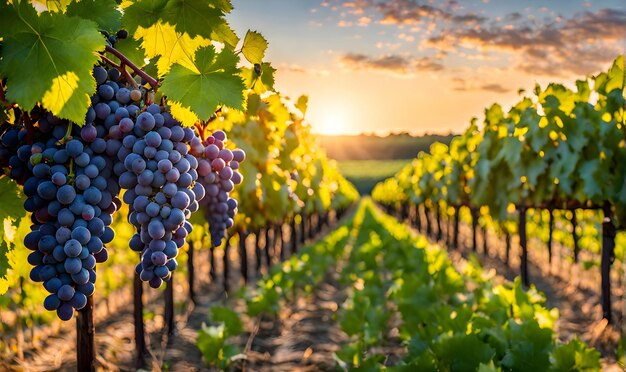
[402, 62]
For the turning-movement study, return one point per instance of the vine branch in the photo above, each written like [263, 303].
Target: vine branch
[122, 69]
[125, 61]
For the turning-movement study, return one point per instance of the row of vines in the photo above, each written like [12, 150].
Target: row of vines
[554, 162]
[132, 132]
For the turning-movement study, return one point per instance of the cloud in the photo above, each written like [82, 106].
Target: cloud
[548, 43]
[467, 85]
[579, 45]
[393, 63]
[303, 70]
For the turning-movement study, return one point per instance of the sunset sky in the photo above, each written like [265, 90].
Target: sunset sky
[426, 66]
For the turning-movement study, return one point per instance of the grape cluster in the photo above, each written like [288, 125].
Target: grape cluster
[72, 196]
[72, 176]
[218, 172]
[159, 175]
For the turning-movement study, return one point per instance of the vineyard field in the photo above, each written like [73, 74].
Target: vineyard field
[365, 174]
[228, 185]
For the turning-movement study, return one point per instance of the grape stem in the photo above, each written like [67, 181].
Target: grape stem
[125, 61]
[122, 69]
[200, 127]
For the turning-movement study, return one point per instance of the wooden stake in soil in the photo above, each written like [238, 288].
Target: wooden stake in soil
[418, 218]
[550, 233]
[608, 246]
[575, 236]
[226, 266]
[257, 252]
[294, 237]
[85, 338]
[474, 212]
[243, 255]
[192, 273]
[524, 248]
[268, 245]
[140, 338]
[455, 242]
[438, 217]
[169, 306]
[212, 271]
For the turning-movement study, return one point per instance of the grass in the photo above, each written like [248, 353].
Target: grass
[365, 174]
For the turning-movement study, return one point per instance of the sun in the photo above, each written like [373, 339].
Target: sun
[332, 123]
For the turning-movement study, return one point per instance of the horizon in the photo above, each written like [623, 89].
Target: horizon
[408, 66]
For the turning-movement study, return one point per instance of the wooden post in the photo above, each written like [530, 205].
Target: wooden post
[550, 233]
[303, 228]
[85, 338]
[192, 273]
[507, 252]
[243, 254]
[474, 212]
[524, 248]
[455, 242]
[429, 228]
[608, 246]
[418, 218]
[268, 244]
[575, 236]
[294, 236]
[279, 231]
[485, 241]
[169, 306]
[226, 270]
[212, 271]
[438, 217]
[140, 337]
[257, 252]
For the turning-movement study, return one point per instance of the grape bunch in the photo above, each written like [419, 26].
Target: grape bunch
[159, 175]
[72, 176]
[218, 172]
[72, 196]
[15, 152]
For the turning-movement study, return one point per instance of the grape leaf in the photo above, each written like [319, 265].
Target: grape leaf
[196, 18]
[259, 83]
[224, 5]
[254, 46]
[302, 104]
[161, 40]
[223, 33]
[103, 12]
[214, 80]
[61, 49]
[144, 13]
[11, 200]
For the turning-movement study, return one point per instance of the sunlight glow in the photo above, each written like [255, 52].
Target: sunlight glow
[333, 123]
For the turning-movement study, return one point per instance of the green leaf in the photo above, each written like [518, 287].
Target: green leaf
[103, 12]
[214, 82]
[62, 52]
[12, 202]
[575, 356]
[143, 13]
[195, 17]
[223, 33]
[530, 347]
[302, 104]
[254, 46]
[230, 318]
[463, 352]
[259, 83]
